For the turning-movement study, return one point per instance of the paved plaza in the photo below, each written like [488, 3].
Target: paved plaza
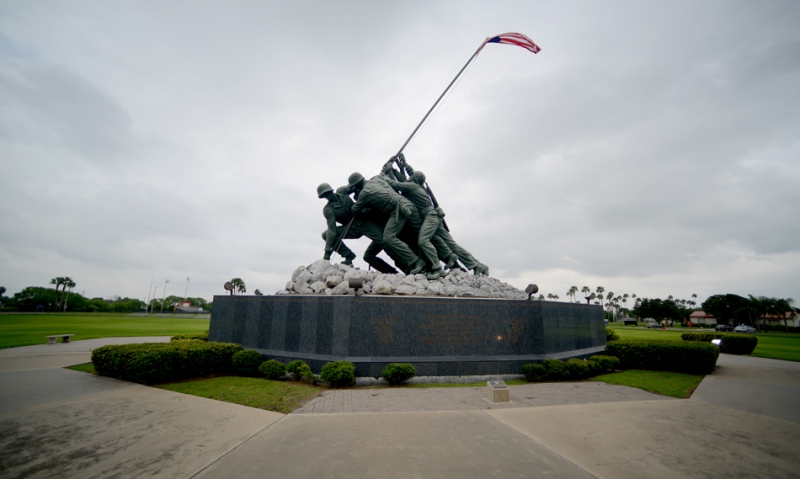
[741, 422]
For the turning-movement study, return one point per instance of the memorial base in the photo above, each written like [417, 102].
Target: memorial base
[439, 336]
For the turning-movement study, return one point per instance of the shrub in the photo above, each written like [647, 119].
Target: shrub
[594, 368]
[533, 372]
[299, 370]
[338, 373]
[397, 373]
[182, 337]
[611, 335]
[246, 363]
[607, 363]
[149, 363]
[272, 369]
[577, 368]
[556, 369]
[665, 355]
[738, 344]
[731, 343]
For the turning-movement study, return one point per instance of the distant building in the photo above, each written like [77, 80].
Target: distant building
[185, 307]
[792, 319]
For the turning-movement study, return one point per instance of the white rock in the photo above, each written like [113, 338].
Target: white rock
[409, 280]
[283, 292]
[366, 289]
[289, 285]
[488, 288]
[405, 289]
[381, 286]
[302, 288]
[340, 289]
[328, 291]
[436, 288]
[333, 281]
[303, 277]
[299, 270]
[319, 265]
[451, 290]
[318, 286]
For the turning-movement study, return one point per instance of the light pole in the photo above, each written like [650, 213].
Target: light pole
[187, 288]
[153, 309]
[165, 295]
[149, 290]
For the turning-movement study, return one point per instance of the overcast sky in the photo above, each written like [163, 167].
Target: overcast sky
[650, 147]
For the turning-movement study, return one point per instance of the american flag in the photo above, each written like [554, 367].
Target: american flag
[517, 39]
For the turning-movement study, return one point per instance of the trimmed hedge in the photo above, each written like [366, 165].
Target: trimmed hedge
[338, 373]
[533, 372]
[183, 337]
[272, 369]
[689, 357]
[607, 363]
[731, 343]
[611, 335]
[299, 370]
[398, 373]
[246, 363]
[150, 363]
[572, 369]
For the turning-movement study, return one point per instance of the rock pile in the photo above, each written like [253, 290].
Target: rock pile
[324, 278]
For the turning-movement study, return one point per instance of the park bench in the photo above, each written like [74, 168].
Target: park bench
[64, 338]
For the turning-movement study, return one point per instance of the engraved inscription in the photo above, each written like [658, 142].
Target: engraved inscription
[383, 328]
[455, 330]
[515, 328]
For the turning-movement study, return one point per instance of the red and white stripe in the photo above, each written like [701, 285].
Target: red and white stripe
[517, 39]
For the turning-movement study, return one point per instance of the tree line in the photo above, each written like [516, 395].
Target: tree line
[51, 300]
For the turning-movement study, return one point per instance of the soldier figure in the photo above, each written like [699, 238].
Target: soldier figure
[337, 210]
[432, 233]
[379, 197]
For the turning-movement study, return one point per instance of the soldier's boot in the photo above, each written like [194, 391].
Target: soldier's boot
[452, 260]
[418, 267]
[436, 274]
[481, 270]
[348, 260]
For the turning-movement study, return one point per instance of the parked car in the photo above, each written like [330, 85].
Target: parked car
[726, 328]
[653, 326]
[743, 328]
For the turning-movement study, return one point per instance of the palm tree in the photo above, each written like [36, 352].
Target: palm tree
[572, 291]
[555, 297]
[68, 283]
[625, 299]
[550, 296]
[238, 285]
[541, 297]
[610, 298]
[600, 290]
[58, 282]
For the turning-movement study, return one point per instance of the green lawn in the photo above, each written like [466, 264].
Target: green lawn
[278, 396]
[84, 368]
[26, 329]
[658, 382]
[770, 345]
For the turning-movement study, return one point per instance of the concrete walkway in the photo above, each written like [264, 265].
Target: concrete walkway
[62, 423]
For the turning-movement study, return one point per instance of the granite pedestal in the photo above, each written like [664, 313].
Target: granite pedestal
[439, 336]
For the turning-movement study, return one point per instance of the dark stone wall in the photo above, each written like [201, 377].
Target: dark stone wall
[440, 336]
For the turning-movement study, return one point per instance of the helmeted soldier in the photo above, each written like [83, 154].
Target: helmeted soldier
[376, 195]
[337, 210]
[433, 237]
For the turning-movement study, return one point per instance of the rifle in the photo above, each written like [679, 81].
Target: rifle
[401, 163]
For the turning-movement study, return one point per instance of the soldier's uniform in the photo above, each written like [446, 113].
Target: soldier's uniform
[339, 211]
[377, 195]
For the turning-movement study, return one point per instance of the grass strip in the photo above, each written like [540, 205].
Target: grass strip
[84, 368]
[277, 396]
[658, 382]
[28, 329]
[774, 345]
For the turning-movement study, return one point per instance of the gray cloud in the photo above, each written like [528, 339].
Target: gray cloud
[649, 148]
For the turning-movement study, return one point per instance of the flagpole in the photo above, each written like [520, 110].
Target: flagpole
[441, 96]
